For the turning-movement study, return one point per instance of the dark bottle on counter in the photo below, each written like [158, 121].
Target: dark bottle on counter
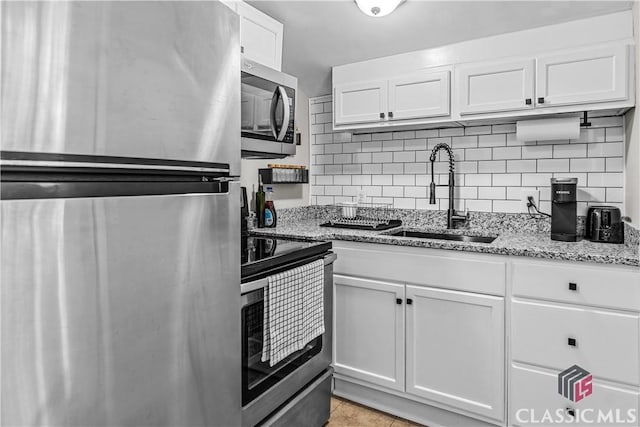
[260, 199]
[270, 218]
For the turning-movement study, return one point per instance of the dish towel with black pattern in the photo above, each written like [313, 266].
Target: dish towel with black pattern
[293, 311]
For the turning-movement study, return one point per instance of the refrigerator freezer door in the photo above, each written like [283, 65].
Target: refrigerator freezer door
[121, 311]
[132, 79]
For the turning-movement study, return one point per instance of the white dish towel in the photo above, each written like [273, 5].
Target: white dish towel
[293, 311]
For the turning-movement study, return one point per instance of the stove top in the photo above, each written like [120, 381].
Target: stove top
[264, 254]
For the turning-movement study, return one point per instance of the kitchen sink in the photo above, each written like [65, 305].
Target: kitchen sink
[443, 236]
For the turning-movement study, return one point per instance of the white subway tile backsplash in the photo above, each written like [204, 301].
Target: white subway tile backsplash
[373, 169]
[361, 137]
[362, 158]
[451, 132]
[506, 179]
[351, 147]
[520, 166]
[404, 180]
[530, 151]
[478, 154]
[458, 142]
[477, 130]
[361, 180]
[606, 149]
[381, 179]
[492, 166]
[553, 165]
[614, 164]
[415, 144]
[587, 165]
[429, 133]
[404, 135]
[393, 191]
[394, 145]
[569, 151]
[392, 168]
[495, 140]
[368, 146]
[493, 193]
[483, 179]
[382, 157]
[415, 168]
[404, 156]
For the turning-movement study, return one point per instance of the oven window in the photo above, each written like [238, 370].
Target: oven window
[257, 376]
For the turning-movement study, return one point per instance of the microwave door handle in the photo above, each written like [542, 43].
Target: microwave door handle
[286, 105]
[272, 113]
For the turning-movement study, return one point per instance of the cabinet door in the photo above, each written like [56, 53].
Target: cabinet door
[369, 331]
[455, 349]
[360, 102]
[260, 36]
[494, 87]
[593, 75]
[420, 95]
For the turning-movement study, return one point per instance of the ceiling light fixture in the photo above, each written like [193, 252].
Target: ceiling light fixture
[378, 8]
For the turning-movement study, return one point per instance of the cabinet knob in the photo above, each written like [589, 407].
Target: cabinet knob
[241, 49]
[409, 301]
[382, 115]
[527, 101]
[573, 286]
[572, 342]
[391, 114]
[540, 100]
[398, 300]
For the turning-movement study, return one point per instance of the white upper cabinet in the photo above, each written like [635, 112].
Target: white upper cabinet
[260, 36]
[419, 95]
[360, 102]
[495, 86]
[585, 76]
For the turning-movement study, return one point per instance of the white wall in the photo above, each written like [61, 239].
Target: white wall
[285, 195]
[632, 149]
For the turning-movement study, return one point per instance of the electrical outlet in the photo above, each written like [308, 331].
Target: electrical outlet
[525, 193]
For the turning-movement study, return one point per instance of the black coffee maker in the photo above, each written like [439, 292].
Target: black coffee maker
[563, 209]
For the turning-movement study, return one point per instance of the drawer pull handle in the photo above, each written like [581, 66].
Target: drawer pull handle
[398, 301]
[572, 342]
[571, 411]
[573, 286]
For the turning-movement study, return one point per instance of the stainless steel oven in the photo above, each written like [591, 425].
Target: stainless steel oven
[266, 388]
[268, 112]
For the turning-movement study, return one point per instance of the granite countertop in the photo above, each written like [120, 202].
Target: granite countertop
[528, 243]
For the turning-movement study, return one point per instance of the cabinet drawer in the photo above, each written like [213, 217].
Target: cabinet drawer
[533, 393]
[604, 343]
[448, 269]
[604, 287]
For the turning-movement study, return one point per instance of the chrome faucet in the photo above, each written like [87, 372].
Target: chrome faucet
[452, 216]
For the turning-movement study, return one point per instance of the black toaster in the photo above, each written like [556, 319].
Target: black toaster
[604, 224]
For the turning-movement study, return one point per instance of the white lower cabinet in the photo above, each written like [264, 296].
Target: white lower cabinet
[455, 349]
[369, 343]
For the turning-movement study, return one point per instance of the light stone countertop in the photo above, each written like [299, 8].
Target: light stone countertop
[530, 244]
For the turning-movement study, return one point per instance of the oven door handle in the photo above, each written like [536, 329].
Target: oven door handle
[264, 282]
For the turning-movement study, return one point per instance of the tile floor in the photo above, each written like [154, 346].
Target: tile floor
[349, 414]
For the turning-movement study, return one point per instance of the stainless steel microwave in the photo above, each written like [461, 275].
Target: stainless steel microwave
[268, 112]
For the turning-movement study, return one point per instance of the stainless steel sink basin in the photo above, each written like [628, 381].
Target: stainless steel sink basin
[443, 236]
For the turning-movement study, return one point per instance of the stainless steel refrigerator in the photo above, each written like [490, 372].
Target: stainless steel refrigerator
[120, 214]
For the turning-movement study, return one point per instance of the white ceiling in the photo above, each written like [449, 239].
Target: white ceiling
[321, 34]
